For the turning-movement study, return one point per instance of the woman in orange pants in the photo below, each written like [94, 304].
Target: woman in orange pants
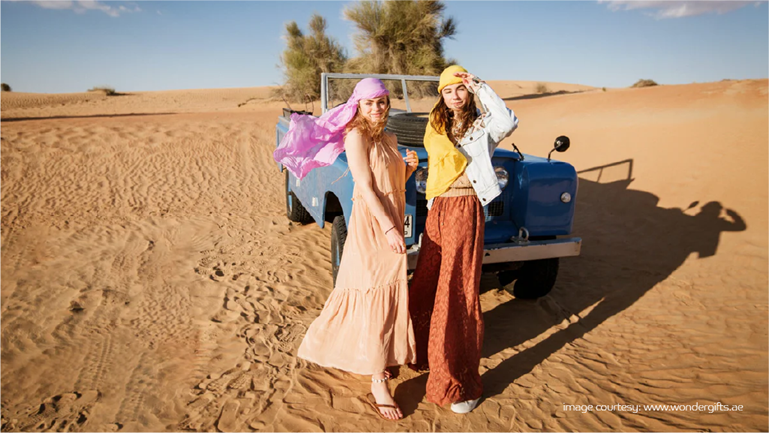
[444, 300]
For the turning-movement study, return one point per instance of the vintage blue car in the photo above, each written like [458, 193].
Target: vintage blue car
[527, 226]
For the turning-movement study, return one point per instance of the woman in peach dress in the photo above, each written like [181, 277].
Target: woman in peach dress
[365, 325]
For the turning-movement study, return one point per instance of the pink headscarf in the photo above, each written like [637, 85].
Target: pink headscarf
[316, 142]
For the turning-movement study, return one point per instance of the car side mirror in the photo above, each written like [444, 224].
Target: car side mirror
[561, 144]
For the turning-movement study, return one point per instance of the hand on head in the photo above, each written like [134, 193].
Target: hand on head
[468, 79]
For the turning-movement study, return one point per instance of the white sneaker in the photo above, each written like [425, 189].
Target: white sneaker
[464, 406]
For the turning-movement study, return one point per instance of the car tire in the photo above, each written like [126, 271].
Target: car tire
[535, 279]
[338, 238]
[294, 209]
[507, 278]
[409, 128]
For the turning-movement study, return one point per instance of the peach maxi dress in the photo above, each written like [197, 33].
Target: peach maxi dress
[365, 325]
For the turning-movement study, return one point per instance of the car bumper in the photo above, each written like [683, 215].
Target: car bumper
[518, 251]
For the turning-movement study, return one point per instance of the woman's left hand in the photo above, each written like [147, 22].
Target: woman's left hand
[412, 160]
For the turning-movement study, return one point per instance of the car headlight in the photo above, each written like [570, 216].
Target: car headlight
[421, 180]
[502, 177]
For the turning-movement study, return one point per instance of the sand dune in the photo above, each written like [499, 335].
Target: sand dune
[150, 279]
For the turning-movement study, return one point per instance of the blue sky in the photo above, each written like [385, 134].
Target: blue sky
[71, 46]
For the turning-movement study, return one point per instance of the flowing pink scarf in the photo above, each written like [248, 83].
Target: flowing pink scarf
[317, 141]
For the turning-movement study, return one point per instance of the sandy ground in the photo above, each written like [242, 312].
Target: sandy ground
[151, 281]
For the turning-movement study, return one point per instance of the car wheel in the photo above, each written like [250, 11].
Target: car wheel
[294, 209]
[535, 279]
[338, 238]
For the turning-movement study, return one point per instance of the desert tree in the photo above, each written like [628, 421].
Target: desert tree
[400, 37]
[306, 56]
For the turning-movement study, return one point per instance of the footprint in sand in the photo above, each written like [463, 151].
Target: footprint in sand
[219, 402]
[237, 379]
[288, 337]
[221, 271]
[64, 412]
[228, 421]
[201, 409]
[217, 273]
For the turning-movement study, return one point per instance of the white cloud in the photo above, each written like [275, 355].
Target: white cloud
[676, 9]
[53, 4]
[82, 6]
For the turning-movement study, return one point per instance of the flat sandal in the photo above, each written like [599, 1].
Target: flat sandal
[371, 400]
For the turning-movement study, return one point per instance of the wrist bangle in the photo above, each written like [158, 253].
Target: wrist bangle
[389, 229]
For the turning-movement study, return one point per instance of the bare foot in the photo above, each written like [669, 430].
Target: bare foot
[382, 395]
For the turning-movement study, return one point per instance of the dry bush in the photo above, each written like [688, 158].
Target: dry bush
[5, 87]
[542, 88]
[107, 90]
[644, 83]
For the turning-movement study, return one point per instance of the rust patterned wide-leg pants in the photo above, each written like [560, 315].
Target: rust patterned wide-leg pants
[444, 300]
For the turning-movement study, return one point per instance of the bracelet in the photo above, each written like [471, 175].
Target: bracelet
[389, 229]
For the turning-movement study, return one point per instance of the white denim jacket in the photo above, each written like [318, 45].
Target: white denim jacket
[495, 124]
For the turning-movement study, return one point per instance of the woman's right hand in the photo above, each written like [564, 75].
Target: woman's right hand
[469, 80]
[396, 241]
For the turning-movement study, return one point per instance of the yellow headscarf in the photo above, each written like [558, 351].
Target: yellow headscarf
[444, 162]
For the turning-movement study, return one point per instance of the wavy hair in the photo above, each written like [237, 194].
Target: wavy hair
[375, 130]
[442, 118]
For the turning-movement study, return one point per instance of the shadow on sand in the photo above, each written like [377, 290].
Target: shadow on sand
[541, 95]
[629, 245]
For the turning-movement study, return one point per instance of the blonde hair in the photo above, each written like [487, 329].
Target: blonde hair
[375, 130]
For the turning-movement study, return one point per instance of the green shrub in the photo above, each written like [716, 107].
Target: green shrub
[392, 37]
[306, 57]
[401, 37]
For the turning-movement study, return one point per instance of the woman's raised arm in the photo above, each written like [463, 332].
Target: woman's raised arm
[502, 120]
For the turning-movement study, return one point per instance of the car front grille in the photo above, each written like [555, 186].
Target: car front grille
[496, 208]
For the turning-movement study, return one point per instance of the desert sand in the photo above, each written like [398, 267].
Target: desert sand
[151, 280]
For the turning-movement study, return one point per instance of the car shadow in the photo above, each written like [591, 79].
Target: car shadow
[629, 245]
